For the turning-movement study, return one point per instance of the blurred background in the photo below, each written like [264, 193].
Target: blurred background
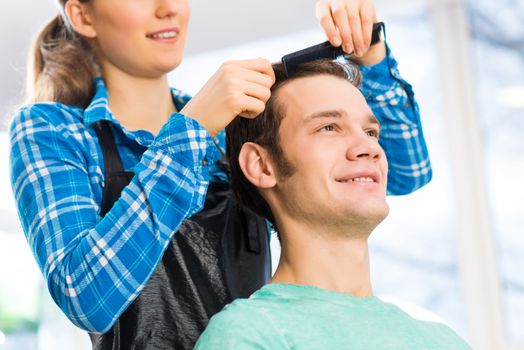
[454, 248]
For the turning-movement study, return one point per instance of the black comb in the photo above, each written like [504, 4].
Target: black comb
[324, 50]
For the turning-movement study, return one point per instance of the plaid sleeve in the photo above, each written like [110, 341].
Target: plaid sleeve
[392, 100]
[96, 267]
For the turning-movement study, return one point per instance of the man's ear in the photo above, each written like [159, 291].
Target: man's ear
[80, 19]
[256, 166]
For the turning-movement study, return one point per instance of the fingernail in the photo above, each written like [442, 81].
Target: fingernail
[358, 52]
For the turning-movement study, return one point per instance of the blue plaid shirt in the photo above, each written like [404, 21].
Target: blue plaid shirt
[95, 267]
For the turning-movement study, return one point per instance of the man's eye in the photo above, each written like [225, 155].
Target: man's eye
[372, 133]
[329, 127]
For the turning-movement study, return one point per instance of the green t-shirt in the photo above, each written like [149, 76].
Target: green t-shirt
[285, 316]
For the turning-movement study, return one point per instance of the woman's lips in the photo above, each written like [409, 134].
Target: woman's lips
[164, 35]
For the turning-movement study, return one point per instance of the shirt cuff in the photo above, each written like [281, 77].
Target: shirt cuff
[381, 77]
[184, 137]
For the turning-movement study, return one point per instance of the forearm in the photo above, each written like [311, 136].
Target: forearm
[96, 267]
[392, 100]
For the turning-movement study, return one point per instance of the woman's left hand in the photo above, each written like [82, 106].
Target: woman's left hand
[348, 23]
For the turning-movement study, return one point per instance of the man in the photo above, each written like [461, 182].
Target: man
[313, 166]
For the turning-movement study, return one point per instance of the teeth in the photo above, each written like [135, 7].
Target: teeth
[362, 179]
[358, 179]
[163, 35]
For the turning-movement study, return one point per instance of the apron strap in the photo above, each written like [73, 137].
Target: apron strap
[115, 178]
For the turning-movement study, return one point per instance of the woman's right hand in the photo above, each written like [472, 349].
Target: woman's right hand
[237, 88]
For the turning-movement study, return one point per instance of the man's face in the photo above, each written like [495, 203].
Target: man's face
[330, 136]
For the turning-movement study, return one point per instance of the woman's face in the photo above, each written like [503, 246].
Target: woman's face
[144, 38]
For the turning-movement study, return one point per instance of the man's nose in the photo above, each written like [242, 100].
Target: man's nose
[361, 145]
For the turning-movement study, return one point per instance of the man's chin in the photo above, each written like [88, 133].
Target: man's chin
[370, 209]
[366, 219]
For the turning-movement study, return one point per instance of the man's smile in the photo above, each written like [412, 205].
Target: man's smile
[361, 176]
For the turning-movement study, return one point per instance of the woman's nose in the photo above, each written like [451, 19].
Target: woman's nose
[166, 8]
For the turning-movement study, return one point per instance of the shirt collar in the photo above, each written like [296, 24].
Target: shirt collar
[98, 109]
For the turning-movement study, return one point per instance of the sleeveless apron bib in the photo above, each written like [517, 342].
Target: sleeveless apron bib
[217, 255]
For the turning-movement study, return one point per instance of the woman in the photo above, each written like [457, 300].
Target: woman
[108, 163]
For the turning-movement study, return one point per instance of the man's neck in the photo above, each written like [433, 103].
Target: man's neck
[139, 103]
[338, 263]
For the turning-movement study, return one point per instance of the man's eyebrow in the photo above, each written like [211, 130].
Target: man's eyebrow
[373, 120]
[337, 113]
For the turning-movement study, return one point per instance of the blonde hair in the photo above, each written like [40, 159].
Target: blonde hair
[62, 65]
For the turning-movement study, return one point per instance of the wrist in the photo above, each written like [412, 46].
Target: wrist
[374, 55]
[200, 117]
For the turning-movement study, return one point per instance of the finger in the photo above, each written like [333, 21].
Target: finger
[356, 28]
[323, 13]
[260, 65]
[257, 91]
[367, 18]
[258, 78]
[340, 16]
[251, 107]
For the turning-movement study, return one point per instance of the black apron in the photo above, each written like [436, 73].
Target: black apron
[219, 254]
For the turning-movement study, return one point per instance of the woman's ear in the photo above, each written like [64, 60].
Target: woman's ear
[80, 19]
[256, 165]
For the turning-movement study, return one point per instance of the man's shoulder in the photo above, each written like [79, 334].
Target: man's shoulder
[244, 313]
[243, 324]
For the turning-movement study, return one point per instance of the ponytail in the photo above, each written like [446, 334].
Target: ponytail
[62, 67]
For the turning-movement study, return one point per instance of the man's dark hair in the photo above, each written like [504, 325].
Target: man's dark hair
[264, 130]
